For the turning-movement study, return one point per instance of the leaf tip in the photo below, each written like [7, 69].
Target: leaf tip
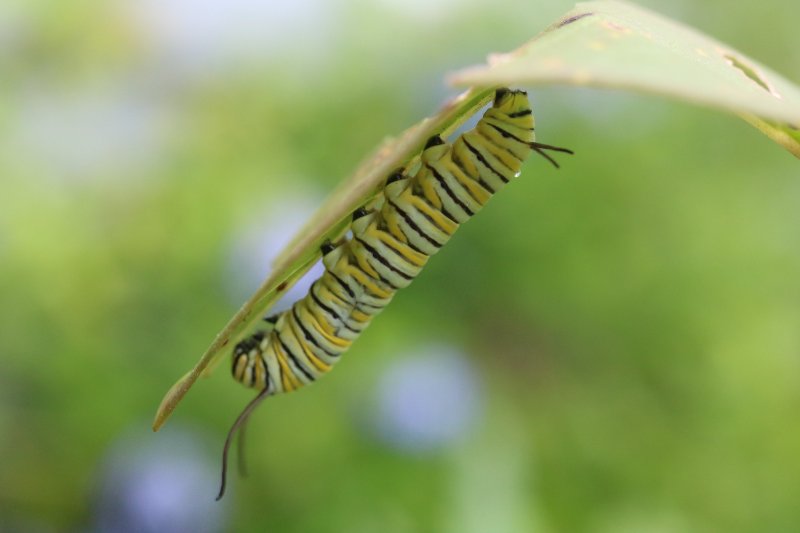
[173, 396]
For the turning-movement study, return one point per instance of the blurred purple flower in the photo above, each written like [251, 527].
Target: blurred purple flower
[256, 245]
[155, 484]
[428, 400]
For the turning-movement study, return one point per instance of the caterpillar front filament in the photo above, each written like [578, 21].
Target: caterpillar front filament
[391, 242]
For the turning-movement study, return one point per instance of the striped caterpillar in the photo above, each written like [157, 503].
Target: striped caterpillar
[391, 242]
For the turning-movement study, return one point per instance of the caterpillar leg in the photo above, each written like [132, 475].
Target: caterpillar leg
[362, 218]
[331, 253]
[360, 212]
[326, 248]
[435, 140]
[397, 175]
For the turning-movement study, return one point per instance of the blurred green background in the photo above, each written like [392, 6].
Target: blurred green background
[610, 347]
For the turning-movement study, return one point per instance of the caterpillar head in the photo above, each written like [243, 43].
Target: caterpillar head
[245, 355]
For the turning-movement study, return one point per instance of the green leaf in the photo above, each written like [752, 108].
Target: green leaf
[330, 222]
[618, 45]
[605, 44]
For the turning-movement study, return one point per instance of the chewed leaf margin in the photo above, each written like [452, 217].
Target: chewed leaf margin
[613, 44]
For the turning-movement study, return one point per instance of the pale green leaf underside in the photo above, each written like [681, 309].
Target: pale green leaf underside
[618, 45]
[606, 44]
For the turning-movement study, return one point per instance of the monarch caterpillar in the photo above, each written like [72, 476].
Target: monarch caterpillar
[391, 242]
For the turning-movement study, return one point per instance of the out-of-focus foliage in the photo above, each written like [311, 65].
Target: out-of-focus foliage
[632, 319]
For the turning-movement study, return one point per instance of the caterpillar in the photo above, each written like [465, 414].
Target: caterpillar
[392, 240]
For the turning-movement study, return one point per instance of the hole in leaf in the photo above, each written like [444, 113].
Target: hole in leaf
[751, 73]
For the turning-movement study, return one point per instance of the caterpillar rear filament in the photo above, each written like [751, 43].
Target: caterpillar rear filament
[391, 242]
